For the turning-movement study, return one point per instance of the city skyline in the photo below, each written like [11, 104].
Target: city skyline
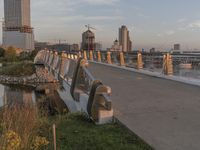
[155, 23]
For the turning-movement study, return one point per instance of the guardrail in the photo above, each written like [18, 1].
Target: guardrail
[163, 63]
[72, 70]
[134, 60]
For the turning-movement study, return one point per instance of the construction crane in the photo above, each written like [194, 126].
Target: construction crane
[89, 27]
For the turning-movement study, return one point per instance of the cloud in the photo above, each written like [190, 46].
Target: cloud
[101, 2]
[195, 25]
[181, 20]
[169, 32]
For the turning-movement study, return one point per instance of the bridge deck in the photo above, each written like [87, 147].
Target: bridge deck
[166, 114]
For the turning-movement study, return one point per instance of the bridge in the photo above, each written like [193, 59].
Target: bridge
[159, 108]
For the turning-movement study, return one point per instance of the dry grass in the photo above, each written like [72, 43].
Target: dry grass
[22, 121]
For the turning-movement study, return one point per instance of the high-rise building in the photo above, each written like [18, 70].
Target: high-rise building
[124, 39]
[88, 40]
[17, 30]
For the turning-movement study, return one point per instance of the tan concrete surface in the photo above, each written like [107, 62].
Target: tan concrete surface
[166, 114]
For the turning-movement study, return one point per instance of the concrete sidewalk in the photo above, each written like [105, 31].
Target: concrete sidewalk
[166, 114]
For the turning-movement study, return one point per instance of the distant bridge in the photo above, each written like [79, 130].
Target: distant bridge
[165, 113]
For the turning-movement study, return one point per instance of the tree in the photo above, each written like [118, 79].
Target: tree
[10, 54]
[2, 52]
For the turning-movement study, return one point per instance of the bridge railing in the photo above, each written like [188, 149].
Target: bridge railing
[163, 63]
[72, 70]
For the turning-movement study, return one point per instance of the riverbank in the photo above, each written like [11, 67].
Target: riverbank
[27, 129]
[25, 73]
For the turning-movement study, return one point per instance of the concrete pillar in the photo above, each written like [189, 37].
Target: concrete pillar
[71, 56]
[109, 58]
[91, 55]
[139, 61]
[99, 56]
[85, 55]
[167, 64]
[122, 62]
[64, 55]
[79, 54]
[75, 57]
[68, 55]
[56, 53]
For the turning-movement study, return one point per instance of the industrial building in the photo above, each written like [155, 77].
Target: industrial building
[17, 30]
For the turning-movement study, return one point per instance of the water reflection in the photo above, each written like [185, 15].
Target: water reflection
[193, 72]
[44, 96]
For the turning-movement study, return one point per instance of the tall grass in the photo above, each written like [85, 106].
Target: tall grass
[22, 123]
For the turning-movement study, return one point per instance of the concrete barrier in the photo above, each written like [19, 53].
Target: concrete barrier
[83, 86]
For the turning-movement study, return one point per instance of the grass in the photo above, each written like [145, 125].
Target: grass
[18, 69]
[23, 126]
[74, 132]
[20, 126]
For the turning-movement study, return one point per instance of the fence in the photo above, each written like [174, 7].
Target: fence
[164, 63]
[72, 70]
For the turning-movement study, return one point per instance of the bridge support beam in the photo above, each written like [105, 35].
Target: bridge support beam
[109, 58]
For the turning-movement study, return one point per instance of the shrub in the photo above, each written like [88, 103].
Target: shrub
[10, 54]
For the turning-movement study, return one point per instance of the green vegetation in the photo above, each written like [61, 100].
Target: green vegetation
[14, 64]
[75, 132]
[2, 52]
[18, 69]
[22, 128]
[10, 54]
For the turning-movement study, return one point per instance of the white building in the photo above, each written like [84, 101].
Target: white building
[17, 31]
[116, 46]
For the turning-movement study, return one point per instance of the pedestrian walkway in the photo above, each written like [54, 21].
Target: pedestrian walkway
[164, 113]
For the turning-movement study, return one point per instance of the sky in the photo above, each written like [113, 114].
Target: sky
[152, 23]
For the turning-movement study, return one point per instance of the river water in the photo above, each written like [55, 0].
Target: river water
[192, 73]
[44, 96]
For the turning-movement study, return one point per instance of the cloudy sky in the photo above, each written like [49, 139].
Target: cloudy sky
[152, 23]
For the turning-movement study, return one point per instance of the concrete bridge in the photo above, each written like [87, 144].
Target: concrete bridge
[161, 109]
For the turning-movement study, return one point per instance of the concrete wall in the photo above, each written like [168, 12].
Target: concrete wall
[20, 40]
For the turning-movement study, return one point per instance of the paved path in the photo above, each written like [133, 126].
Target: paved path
[166, 114]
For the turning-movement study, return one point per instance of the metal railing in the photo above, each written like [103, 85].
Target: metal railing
[72, 70]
